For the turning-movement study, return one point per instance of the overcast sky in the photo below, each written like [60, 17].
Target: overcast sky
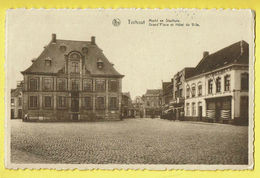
[145, 54]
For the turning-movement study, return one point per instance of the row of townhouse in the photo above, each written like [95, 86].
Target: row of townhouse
[216, 90]
[16, 101]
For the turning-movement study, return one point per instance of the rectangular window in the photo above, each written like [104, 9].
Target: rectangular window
[12, 101]
[199, 90]
[244, 81]
[193, 91]
[100, 103]
[33, 84]
[218, 85]
[61, 84]
[47, 83]
[75, 67]
[227, 83]
[19, 101]
[113, 86]
[47, 101]
[113, 102]
[210, 86]
[88, 102]
[75, 85]
[62, 103]
[33, 101]
[193, 109]
[187, 109]
[87, 85]
[100, 85]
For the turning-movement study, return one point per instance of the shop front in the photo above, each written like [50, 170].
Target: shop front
[218, 109]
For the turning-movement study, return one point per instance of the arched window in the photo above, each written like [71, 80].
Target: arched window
[75, 67]
[227, 83]
[210, 86]
[199, 88]
[193, 90]
[187, 91]
[100, 64]
[218, 85]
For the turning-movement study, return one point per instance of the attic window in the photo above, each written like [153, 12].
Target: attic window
[100, 64]
[63, 48]
[84, 50]
[48, 61]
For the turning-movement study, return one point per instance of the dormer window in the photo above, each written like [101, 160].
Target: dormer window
[48, 61]
[100, 64]
[84, 50]
[63, 48]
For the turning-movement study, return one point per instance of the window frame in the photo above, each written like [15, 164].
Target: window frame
[98, 89]
[44, 102]
[227, 82]
[244, 83]
[218, 85]
[98, 107]
[199, 89]
[87, 81]
[75, 67]
[33, 102]
[113, 106]
[90, 99]
[210, 86]
[50, 83]
[63, 102]
[113, 87]
[75, 82]
[64, 82]
[36, 88]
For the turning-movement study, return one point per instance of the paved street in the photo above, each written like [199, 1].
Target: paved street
[132, 141]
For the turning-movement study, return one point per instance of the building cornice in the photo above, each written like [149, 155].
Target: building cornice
[216, 70]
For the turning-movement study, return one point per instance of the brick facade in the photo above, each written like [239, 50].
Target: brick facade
[72, 80]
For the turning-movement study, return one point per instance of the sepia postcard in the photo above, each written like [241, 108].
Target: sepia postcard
[129, 89]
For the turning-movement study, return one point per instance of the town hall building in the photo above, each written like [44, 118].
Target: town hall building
[71, 80]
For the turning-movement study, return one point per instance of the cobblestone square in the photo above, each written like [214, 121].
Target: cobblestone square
[131, 141]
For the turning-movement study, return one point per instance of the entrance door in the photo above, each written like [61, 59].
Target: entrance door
[20, 113]
[244, 109]
[74, 105]
[200, 113]
[12, 113]
[218, 109]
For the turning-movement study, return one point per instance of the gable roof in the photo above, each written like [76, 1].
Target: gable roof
[153, 92]
[53, 52]
[237, 53]
[16, 92]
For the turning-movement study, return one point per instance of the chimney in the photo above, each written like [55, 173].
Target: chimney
[205, 54]
[93, 40]
[241, 48]
[53, 38]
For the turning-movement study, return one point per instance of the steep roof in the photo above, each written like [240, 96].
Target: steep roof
[153, 91]
[16, 92]
[127, 94]
[53, 52]
[237, 53]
